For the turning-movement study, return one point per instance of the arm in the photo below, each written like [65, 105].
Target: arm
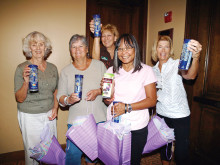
[91, 95]
[21, 94]
[195, 47]
[70, 99]
[96, 43]
[55, 107]
[149, 101]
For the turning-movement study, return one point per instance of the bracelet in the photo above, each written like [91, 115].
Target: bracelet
[129, 108]
[66, 101]
[125, 108]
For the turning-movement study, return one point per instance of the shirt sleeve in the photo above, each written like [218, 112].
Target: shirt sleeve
[149, 76]
[57, 77]
[18, 79]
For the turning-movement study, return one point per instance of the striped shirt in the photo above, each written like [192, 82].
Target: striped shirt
[171, 95]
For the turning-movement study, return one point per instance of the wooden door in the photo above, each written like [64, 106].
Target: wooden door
[203, 24]
[130, 16]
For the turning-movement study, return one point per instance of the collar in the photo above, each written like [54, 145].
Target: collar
[164, 65]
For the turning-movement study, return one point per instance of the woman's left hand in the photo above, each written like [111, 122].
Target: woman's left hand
[54, 114]
[195, 47]
[119, 109]
[91, 95]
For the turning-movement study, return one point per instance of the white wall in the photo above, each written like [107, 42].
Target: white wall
[156, 10]
[58, 20]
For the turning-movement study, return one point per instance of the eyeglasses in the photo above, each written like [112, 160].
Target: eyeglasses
[124, 49]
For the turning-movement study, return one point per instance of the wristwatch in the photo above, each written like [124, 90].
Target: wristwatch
[129, 108]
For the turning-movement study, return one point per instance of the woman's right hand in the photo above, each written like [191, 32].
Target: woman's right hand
[26, 73]
[91, 26]
[73, 98]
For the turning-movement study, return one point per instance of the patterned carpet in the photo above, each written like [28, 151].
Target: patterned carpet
[153, 159]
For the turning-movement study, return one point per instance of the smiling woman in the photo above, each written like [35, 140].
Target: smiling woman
[135, 88]
[106, 52]
[35, 110]
[172, 102]
[92, 71]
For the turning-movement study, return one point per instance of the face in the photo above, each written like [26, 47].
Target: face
[108, 38]
[78, 50]
[37, 49]
[163, 51]
[126, 53]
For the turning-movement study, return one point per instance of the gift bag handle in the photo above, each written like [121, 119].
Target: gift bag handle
[171, 151]
[87, 107]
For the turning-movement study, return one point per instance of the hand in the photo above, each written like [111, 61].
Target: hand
[54, 114]
[195, 47]
[91, 95]
[119, 109]
[73, 98]
[109, 101]
[26, 73]
[91, 26]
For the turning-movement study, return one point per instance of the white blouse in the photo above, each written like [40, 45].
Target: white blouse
[171, 95]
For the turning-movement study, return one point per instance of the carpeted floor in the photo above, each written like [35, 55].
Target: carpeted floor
[17, 158]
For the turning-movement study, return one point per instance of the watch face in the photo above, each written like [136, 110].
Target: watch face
[129, 108]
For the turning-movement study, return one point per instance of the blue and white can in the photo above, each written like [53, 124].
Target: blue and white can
[33, 79]
[186, 56]
[97, 25]
[118, 118]
[78, 85]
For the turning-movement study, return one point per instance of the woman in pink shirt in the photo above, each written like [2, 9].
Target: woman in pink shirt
[135, 90]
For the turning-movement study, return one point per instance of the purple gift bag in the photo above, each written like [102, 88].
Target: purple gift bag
[126, 150]
[111, 149]
[84, 136]
[48, 150]
[155, 138]
[55, 154]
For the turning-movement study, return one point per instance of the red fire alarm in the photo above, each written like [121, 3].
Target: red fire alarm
[168, 16]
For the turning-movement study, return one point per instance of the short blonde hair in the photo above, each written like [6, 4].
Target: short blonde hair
[34, 37]
[112, 28]
[154, 48]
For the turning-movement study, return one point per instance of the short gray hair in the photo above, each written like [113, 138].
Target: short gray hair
[34, 37]
[77, 37]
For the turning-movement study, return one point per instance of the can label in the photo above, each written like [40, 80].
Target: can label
[118, 118]
[186, 56]
[78, 85]
[107, 85]
[33, 80]
[97, 25]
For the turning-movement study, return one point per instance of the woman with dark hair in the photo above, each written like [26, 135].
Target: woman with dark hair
[92, 71]
[135, 90]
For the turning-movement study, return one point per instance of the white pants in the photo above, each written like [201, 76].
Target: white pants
[31, 126]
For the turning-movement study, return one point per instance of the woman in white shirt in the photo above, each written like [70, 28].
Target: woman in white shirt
[172, 102]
